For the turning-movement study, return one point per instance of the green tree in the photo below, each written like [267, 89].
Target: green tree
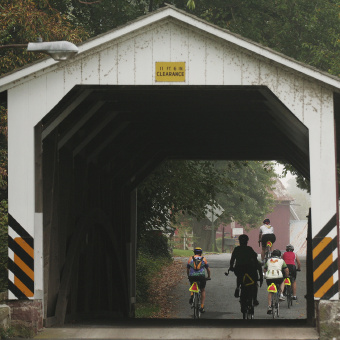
[180, 188]
[176, 186]
[101, 16]
[306, 30]
[245, 191]
[23, 21]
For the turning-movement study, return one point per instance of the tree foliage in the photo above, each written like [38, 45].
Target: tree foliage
[244, 193]
[188, 187]
[23, 21]
[176, 186]
[306, 30]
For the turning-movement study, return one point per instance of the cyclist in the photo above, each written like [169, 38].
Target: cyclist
[275, 270]
[246, 262]
[266, 234]
[196, 267]
[291, 260]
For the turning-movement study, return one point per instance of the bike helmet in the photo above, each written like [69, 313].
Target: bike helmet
[266, 221]
[276, 253]
[198, 251]
[289, 247]
[243, 239]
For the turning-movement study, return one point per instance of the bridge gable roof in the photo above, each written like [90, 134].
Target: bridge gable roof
[166, 14]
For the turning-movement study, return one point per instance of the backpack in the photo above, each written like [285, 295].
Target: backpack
[197, 262]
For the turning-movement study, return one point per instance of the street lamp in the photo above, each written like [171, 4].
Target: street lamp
[58, 50]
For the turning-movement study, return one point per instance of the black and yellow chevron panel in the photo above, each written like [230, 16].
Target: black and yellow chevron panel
[325, 262]
[22, 263]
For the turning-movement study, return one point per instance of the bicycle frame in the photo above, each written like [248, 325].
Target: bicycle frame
[289, 291]
[275, 301]
[247, 301]
[267, 253]
[196, 304]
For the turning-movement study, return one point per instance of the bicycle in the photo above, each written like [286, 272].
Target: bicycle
[275, 301]
[288, 290]
[196, 302]
[267, 253]
[246, 296]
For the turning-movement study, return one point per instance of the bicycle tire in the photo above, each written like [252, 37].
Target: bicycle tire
[196, 306]
[247, 306]
[276, 304]
[289, 296]
[267, 254]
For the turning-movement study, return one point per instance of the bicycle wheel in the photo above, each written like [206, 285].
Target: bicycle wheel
[275, 305]
[289, 296]
[197, 305]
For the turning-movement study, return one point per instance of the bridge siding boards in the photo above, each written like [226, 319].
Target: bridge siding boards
[127, 56]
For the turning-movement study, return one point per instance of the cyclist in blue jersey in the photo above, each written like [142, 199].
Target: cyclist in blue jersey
[196, 267]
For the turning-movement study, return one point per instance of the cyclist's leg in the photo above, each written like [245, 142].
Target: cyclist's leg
[272, 239]
[292, 273]
[263, 244]
[269, 282]
[202, 287]
[191, 280]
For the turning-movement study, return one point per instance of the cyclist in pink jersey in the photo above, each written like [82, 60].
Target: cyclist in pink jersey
[291, 260]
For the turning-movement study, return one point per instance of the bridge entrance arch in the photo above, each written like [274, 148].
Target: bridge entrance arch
[84, 133]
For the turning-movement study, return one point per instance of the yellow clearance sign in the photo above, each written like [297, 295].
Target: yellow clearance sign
[170, 72]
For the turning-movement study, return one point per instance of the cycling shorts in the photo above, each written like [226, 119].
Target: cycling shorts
[199, 279]
[292, 271]
[277, 282]
[266, 238]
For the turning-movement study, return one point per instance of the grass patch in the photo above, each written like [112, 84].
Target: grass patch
[17, 330]
[182, 253]
[146, 310]
[188, 253]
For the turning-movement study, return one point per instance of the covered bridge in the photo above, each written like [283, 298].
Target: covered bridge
[85, 132]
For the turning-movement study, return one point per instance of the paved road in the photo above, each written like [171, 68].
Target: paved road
[221, 321]
[220, 301]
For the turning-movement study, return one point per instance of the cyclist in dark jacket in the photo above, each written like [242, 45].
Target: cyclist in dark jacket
[246, 262]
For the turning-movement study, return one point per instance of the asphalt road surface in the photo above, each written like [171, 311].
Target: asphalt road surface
[222, 320]
[220, 301]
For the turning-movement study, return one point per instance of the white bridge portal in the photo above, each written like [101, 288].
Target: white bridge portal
[85, 132]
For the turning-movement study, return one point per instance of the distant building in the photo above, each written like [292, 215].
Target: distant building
[281, 218]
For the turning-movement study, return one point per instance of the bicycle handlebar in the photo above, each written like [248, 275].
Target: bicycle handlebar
[227, 273]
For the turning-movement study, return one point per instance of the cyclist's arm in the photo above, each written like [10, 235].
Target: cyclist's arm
[232, 260]
[188, 268]
[209, 273]
[260, 235]
[298, 262]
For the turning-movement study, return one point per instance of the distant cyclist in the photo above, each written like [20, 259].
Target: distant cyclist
[275, 270]
[266, 234]
[246, 262]
[196, 267]
[291, 260]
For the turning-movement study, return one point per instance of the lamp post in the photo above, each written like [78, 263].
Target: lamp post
[58, 50]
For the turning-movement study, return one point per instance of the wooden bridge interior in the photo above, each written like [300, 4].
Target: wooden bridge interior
[96, 146]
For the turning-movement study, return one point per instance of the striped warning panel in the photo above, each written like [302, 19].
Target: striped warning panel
[21, 261]
[325, 262]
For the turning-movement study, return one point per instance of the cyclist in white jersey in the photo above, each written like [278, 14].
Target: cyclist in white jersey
[266, 234]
